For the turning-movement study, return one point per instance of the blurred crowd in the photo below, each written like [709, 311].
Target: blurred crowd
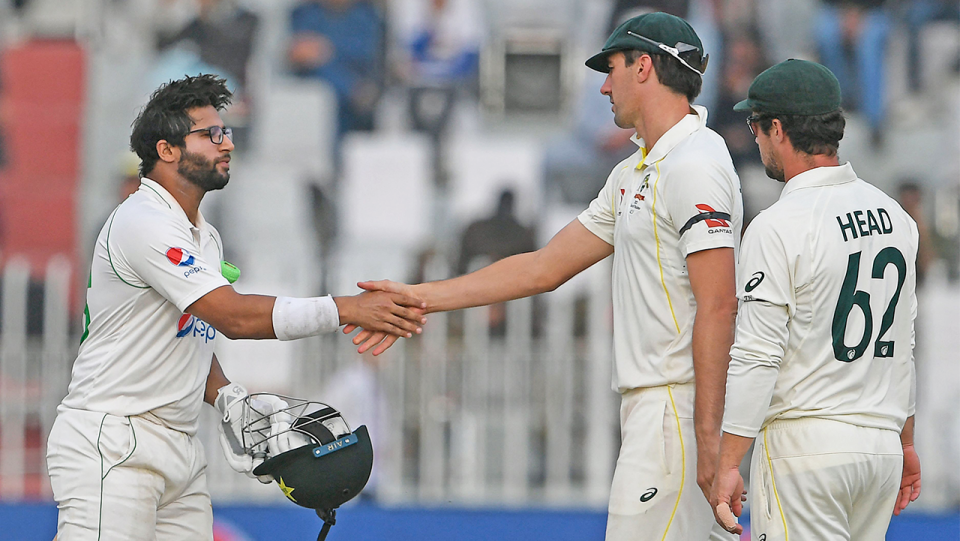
[430, 51]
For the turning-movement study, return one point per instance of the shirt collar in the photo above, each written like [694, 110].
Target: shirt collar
[820, 176]
[154, 190]
[687, 125]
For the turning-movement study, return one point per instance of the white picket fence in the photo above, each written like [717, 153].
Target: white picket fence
[462, 415]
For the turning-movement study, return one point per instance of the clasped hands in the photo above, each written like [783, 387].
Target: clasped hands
[407, 310]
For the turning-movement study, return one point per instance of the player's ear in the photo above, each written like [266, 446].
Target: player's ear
[167, 152]
[643, 67]
[776, 130]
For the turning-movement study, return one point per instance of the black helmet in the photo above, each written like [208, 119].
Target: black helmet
[331, 467]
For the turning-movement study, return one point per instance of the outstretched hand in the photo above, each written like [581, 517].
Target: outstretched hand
[369, 337]
[380, 311]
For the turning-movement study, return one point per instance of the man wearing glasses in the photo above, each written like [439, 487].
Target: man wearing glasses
[670, 215]
[123, 456]
[821, 373]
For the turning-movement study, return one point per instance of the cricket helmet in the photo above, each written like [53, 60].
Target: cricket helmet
[330, 468]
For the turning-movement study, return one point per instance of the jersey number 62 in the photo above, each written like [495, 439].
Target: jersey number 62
[850, 297]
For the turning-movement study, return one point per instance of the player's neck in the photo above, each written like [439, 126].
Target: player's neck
[659, 114]
[187, 194]
[796, 163]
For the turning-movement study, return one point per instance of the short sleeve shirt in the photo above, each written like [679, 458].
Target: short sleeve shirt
[827, 283]
[656, 208]
[140, 352]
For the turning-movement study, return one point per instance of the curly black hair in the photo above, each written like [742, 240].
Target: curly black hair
[165, 115]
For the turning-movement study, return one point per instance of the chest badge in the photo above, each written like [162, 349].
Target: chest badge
[639, 196]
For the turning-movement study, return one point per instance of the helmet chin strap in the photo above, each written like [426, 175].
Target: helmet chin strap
[329, 519]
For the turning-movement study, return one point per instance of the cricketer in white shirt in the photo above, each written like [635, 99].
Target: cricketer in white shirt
[823, 355]
[140, 352]
[657, 207]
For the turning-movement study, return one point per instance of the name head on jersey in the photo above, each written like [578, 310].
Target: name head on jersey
[179, 257]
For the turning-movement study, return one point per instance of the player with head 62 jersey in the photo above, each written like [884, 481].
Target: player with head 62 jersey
[821, 370]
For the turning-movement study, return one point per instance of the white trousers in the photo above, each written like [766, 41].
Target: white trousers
[654, 495]
[126, 479]
[821, 479]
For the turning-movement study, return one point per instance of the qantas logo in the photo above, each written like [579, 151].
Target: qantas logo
[179, 257]
[189, 325]
[711, 222]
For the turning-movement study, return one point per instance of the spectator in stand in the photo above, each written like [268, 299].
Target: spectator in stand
[223, 34]
[496, 237]
[743, 61]
[492, 239]
[918, 13]
[439, 53]
[221, 37]
[340, 42]
[852, 37]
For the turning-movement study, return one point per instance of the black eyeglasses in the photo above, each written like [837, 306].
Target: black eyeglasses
[215, 133]
[753, 119]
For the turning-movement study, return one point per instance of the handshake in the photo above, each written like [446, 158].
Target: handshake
[404, 317]
[253, 429]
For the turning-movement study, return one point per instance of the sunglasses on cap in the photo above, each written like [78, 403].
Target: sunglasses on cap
[675, 52]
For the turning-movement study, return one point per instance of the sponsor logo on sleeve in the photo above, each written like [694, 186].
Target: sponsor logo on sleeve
[182, 258]
[716, 222]
[190, 325]
[754, 281]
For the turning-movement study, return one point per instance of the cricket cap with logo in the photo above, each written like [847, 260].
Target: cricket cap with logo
[654, 33]
[793, 87]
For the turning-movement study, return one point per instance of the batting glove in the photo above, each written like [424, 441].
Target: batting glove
[282, 438]
[230, 402]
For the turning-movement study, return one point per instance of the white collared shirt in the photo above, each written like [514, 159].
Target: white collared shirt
[827, 283]
[656, 208]
[139, 352]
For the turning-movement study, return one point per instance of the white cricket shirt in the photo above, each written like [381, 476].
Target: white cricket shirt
[656, 208]
[827, 283]
[140, 353]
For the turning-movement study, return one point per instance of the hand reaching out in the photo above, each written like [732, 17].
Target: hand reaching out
[369, 337]
[380, 311]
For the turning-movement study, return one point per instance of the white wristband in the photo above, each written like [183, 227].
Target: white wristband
[298, 318]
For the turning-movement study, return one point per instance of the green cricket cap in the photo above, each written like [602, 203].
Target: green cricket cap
[793, 87]
[648, 32]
